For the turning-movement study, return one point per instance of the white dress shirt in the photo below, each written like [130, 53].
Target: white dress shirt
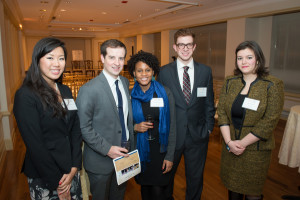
[180, 70]
[111, 82]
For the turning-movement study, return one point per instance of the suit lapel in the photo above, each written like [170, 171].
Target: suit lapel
[125, 86]
[174, 73]
[196, 82]
[109, 94]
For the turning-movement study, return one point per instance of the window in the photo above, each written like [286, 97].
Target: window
[285, 50]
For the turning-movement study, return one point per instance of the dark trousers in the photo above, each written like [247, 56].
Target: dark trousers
[105, 186]
[194, 157]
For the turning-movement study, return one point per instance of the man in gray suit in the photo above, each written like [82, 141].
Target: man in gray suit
[105, 114]
[192, 87]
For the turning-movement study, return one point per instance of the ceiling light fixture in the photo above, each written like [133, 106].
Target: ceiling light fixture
[43, 10]
[63, 10]
[180, 2]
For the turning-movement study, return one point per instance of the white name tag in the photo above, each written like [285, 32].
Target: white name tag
[70, 104]
[251, 104]
[157, 102]
[201, 91]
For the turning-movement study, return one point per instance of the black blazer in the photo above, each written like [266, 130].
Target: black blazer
[197, 118]
[53, 145]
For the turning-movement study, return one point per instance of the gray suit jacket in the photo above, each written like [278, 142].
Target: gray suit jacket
[100, 123]
[197, 118]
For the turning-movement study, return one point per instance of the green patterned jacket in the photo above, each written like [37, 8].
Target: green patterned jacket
[269, 91]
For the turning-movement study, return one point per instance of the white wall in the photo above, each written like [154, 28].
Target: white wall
[10, 77]
[235, 35]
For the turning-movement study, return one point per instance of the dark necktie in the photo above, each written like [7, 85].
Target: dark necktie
[186, 85]
[121, 114]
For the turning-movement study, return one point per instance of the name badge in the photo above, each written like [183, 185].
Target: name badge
[70, 104]
[251, 104]
[201, 91]
[157, 102]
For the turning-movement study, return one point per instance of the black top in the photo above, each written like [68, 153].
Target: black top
[153, 171]
[237, 111]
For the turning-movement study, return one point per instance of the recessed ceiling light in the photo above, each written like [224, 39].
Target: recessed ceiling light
[43, 10]
[21, 26]
[63, 10]
[80, 29]
[68, 2]
[103, 13]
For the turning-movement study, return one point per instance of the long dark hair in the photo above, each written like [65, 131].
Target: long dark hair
[35, 81]
[261, 70]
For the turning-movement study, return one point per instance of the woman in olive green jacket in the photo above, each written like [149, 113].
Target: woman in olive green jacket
[249, 108]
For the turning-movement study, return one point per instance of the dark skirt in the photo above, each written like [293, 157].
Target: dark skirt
[38, 190]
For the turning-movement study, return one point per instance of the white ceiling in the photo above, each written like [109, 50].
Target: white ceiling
[94, 17]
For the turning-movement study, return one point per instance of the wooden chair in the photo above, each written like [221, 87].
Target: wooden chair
[88, 65]
[99, 64]
[77, 67]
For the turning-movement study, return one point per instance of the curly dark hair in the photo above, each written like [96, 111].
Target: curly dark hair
[145, 57]
[261, 70]
[35, 81]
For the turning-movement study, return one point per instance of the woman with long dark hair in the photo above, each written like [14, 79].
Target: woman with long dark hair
[47, 119]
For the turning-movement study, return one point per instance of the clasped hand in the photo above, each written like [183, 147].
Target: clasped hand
[64, 187]
[236, 147]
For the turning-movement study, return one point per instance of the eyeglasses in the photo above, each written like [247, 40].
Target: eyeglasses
[182, 46]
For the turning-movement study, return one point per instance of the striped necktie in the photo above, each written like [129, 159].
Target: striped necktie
[186, 85]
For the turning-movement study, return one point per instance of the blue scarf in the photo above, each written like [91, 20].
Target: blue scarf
[139, 96]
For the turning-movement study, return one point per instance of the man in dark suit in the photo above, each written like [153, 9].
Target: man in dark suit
[192, 87]
[105, 114]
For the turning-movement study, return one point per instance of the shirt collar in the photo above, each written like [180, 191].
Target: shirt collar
[111, 80]
[180, 65]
